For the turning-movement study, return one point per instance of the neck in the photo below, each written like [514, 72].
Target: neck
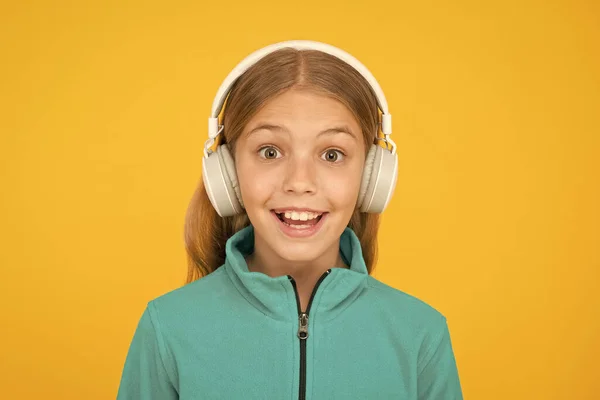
[305, 273]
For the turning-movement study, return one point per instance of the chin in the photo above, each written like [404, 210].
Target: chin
[297, 252]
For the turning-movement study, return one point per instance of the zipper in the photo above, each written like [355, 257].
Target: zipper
[303, 331]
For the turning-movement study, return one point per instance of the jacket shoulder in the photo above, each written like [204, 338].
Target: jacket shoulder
[205, 290]
[408, 308]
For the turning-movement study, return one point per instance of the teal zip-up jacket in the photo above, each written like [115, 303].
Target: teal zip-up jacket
[236, 334]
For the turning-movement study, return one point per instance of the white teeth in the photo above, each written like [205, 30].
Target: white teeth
[301, 216]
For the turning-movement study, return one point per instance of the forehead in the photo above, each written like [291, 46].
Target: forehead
[305, 109]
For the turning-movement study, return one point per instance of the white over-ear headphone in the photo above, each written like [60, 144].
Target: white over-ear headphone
[218, 170]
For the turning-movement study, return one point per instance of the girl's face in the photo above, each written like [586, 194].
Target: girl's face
[301, 151]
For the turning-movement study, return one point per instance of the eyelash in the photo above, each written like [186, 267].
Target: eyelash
[276, 149]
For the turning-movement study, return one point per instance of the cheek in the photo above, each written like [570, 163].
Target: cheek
[254, 190]
[343, 187]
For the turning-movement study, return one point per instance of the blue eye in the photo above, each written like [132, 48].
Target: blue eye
[333, 155]
[270, 153]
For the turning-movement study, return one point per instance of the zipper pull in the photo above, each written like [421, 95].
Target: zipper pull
[303, 326]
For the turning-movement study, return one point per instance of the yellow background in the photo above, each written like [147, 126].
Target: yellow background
[494, 222]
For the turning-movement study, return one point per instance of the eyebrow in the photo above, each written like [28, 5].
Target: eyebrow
[328, 131]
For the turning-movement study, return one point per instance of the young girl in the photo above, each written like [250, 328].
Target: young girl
[283, 234]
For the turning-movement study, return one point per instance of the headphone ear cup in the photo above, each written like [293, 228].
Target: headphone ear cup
[379, 180]
[220, 182]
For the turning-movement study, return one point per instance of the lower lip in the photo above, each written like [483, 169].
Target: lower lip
[299, 232]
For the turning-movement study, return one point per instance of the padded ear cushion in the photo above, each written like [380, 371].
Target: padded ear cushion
[218, 182]
[366, 174]
[230, 173]
[379, 179]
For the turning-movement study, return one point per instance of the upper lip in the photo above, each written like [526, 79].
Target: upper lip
[297, 209]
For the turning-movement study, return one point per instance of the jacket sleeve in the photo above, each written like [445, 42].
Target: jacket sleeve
[144, 375]
[438, 374]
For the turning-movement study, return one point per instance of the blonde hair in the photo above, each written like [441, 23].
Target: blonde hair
[205, 231]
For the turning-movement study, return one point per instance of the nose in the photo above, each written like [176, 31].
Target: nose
[300, 175]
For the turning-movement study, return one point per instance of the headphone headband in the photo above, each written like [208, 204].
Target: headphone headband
[213, 121]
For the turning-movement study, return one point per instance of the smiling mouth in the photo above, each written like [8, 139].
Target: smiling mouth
[299, 225]
[291, 221]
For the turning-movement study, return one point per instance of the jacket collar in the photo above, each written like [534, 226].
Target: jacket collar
[275, 296]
